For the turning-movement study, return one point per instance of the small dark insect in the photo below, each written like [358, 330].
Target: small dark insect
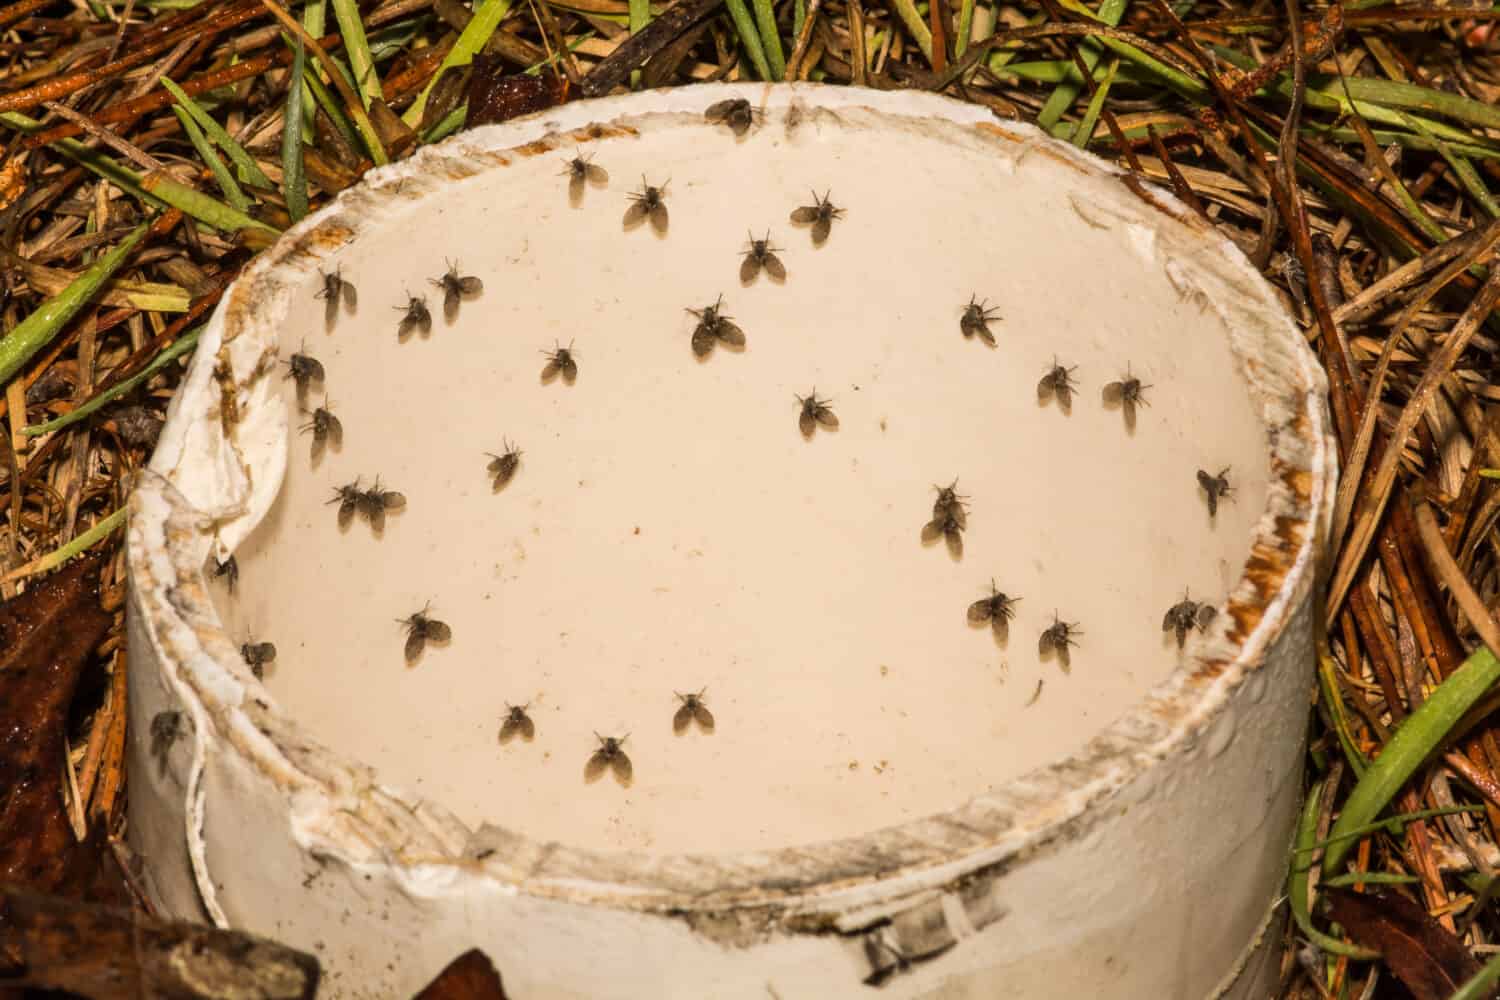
[1217, 488]
[325, 427]
[420, 629]
[692, 708]
[503, 466]
[1127, 394]
[820, 215]
[166, 727]
[610, 755]
[950, 501]
[815, 411]
[581, 173]
[414, 315]
[257, 655]
[517, 722]
[761, 255]
[374, 502]
[456, 287]
[229, 569]
[1058, 638]
[735, 112]
[996, 610]
[1186, 615]
[650, 202]
[347, 497]
[714, 327]
[334, 289]
[976, 320]
[948, 526]
[305, 369]
[1057, 382]
[560, 359]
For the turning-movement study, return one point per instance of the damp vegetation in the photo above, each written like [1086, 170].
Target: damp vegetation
[148, 162]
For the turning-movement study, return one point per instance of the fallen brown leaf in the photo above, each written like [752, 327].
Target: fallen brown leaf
[470, 976]
[496, 98]
[1427, 957]
[46, 636]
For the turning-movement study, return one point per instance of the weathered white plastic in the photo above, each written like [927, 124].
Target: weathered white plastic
[883, 780]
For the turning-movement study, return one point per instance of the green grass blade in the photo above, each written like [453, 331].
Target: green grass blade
[293, 177]
[750, 38]
[37, 330]
[89, 538]
[249, 171]
[357, 46]
[640, 16]
[1412, 97]
[1462, 168]
[157, 191]
[1370, 878]
[1085, 130]
[915, 26]
[1328, 681]
[1065, 93]
[232, 193]
[1410, 744]
[965, 27]
[176, 349]
[487, 17]
[205, 208]
[1299, 879]
[765, 20]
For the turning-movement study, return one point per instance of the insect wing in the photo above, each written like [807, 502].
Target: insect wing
[1047, 643]
[375, 512]
[731, 334]
[347, 506]
[1205, 616]
[596, 175]
[334, 428]
[703, 340]
[704, 716]
[822, 228]
[331, 308]
[351, 295]
[932, 530]
[390, 500]
[569, 369]
[635, 214]
[749, 268]
[805, 215]
[576, 185]
[1128, 408]
[984, 334]
[623, 768]
[1046, 386]
[509, 729]
[981, 611]
[451, 299]
[528, 728]
[438, 631]
[955, 539]
[312, 367]
[1169, 620]
[1113, 393]
[807, 422]
[550, 370]
[469, 286]
[683, 717]
[658, 223]
[774, 267]
[416, 640]
[825, 417]
[594, 769]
